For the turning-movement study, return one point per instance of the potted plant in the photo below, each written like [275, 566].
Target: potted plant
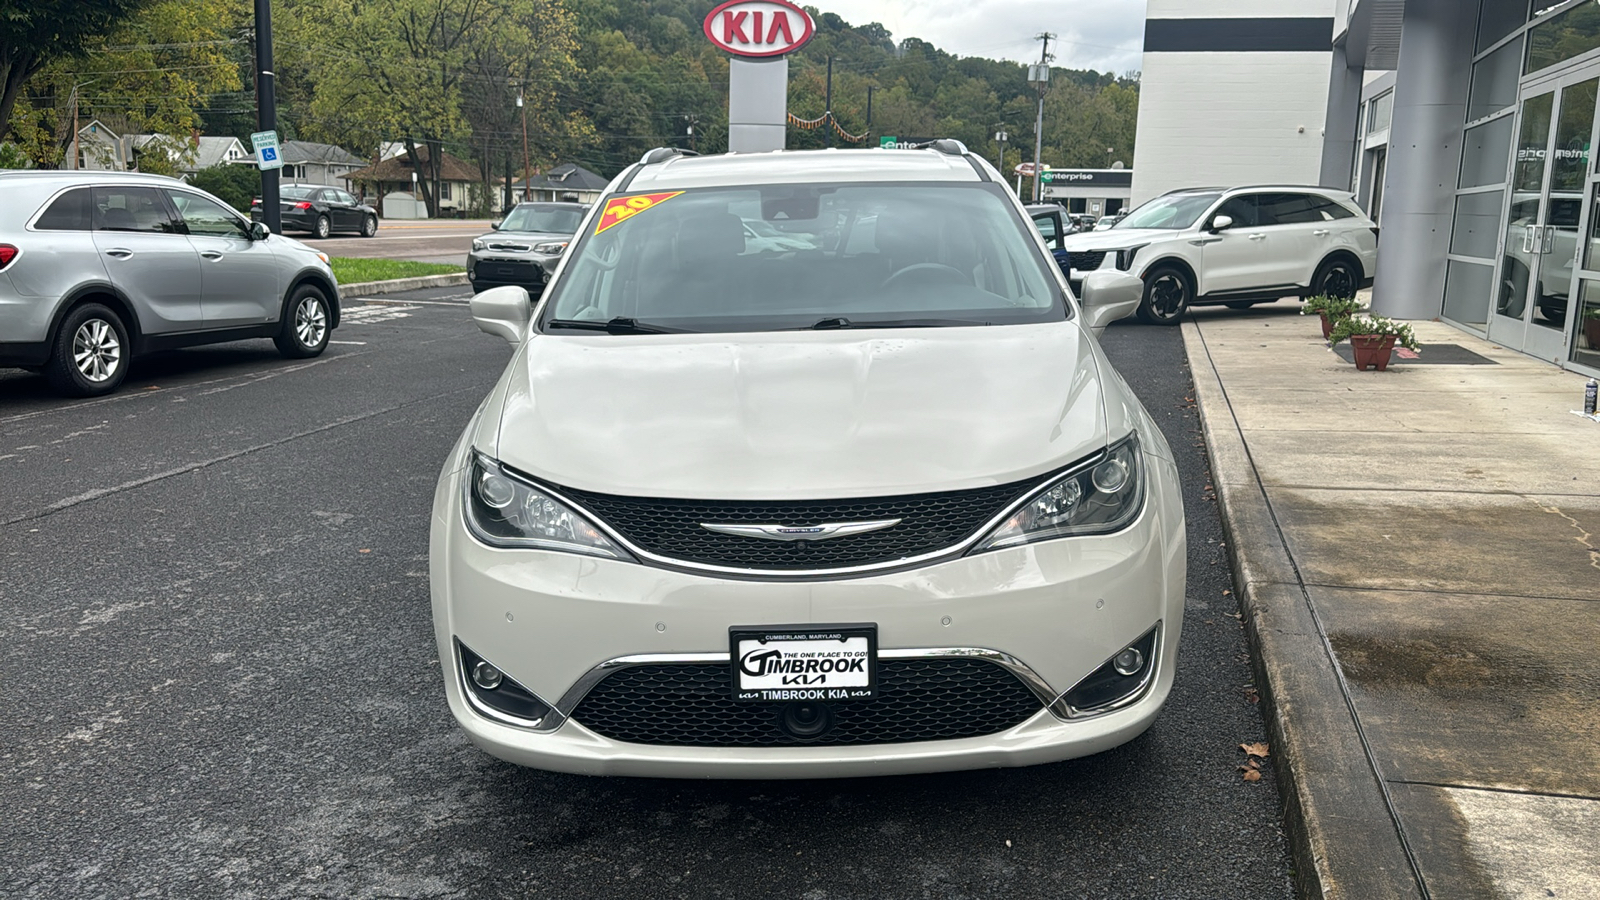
[1331, 309]
[1372, 338]
[1591, 327]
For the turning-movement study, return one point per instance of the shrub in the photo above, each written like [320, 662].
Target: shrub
[233, 185]
[1335, 308]
[1362, 325]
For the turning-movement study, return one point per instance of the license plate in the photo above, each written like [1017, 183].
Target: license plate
[805, 663]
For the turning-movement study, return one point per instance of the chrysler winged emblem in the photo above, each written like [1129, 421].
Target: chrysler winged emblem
[801, 532]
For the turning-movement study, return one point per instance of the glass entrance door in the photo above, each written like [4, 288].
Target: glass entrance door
[1544, 217]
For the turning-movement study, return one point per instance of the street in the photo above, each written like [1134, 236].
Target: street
[435, 241]
[221, 679]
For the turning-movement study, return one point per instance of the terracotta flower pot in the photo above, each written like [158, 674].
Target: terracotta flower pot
[1591, 333]
[1372, 350]
[1327, 327]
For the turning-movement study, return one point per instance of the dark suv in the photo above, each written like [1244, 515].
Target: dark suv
[524, 248]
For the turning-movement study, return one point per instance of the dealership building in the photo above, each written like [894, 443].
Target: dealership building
[1097, 192]
[1464, 128]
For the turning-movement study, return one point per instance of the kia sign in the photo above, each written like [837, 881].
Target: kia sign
[757, 28]
[1027, 169]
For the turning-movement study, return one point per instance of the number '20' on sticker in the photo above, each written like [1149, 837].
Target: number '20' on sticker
[620, 209]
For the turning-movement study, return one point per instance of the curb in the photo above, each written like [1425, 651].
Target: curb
[1344, 837]
[396, 285]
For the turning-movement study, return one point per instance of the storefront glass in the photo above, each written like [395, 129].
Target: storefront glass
[1564, 35]
[1484, 153]
[1494, 81]
[1586, 334]
[1467, 287]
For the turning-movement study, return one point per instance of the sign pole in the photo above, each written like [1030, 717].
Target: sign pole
[266, 115]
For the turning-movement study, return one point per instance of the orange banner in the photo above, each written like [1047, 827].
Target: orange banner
[620, 209]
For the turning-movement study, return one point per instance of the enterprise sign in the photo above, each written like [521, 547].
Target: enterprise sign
[1120, 178]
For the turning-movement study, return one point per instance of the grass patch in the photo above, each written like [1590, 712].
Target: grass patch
[351, 271]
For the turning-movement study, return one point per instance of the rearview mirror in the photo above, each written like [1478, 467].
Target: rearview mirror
[505, 311]
[258, 231]
[1221, 223]
[1109, 296]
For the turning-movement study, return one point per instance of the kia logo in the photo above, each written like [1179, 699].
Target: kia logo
[759, 27]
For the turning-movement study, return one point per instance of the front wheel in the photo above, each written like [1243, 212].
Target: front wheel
[90, 356]
[1167, 295]
[304, 333]
[369, 226]
[1336, 278]
[323, 228]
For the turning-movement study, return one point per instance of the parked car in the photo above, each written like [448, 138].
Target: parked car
[761, 236]
[876, 508]
[1084, 221]
[1235, 246]
[524, 247]
[320, 210]
[97, 268]
[1054, 225]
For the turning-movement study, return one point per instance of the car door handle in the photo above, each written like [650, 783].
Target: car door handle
[1322, 232]
[1258, 237]
[210, 254]
[119, 252]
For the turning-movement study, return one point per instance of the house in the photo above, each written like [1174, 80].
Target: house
[567, 181]
[199, 152]
[99, 148]
[307, 162]
[458, 182]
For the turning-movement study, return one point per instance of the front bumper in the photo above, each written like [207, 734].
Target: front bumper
[1057, 609]
[525, 270]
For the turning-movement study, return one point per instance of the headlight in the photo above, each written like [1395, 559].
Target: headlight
[1125, 257]
[551, 248]
[505, 511]
[1099, 499]
[479, 243]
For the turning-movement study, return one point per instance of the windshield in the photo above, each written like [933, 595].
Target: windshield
[862, 255]
[294, 192]
[1175, 211]
[549, 219]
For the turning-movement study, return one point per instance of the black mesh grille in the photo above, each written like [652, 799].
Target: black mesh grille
[1087, 261]
[928, 522]
[918, 700]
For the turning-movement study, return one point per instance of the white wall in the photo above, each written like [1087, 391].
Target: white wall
[1230, 118]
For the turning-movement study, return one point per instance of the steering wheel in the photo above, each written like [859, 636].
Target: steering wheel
[941, 272]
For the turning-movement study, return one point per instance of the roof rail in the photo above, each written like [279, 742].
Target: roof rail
[948, 146]
[662, 154]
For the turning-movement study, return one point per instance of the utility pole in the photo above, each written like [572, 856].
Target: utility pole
[527, 168]
[267, 113]
[828, 102]
[1000, 138]
[870, 89]
[74, 165]
[1039, 77]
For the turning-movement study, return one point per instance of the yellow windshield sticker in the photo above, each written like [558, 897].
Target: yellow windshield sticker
[620, 209]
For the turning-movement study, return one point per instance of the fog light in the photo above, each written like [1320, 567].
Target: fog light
[488, 677]
[1128, 662]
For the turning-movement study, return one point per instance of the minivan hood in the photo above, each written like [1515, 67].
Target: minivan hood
[1114, 238]
[791, 415]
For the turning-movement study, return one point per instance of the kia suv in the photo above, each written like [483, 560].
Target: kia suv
[878, 507]
[524, 247]
[1234, 246]
[97, 268]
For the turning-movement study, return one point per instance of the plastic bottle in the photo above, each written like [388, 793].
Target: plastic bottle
[1590, 391]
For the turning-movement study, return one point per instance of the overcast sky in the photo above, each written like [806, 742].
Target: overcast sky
[1106, 35]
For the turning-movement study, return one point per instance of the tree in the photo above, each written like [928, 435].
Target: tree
[234, 185]
[36, 33]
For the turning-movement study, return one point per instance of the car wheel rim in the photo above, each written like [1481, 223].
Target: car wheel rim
[1166, 296]
[310, 322]
[1338, 282]
[323, 228]
[96, 350]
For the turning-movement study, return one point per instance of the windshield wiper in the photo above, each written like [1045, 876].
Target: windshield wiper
[836, 322]
[619, 325]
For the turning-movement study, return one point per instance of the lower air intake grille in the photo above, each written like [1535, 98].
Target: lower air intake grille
[1088, 261]
[918, 700]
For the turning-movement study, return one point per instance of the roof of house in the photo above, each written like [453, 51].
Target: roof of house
[299, 153]
[208, 151]
[398, 168]
[567, 177]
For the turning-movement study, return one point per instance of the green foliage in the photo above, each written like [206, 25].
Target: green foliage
[1335, 308]
[1364, 325]
[233, 185]
[349, 270]
[12, 158]
[35, 34]
[1592, 312]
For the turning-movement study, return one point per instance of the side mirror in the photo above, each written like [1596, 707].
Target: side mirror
[258, 231]
[1221, 223]
[1109, 296]
[496, 224]
[505, 311]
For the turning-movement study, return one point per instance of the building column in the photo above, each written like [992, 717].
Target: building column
[1430, 108]
[1341, 133]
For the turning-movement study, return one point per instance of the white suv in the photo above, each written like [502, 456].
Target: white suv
[1237, 246]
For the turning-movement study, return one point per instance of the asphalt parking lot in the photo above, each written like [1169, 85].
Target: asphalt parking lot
[220, 680]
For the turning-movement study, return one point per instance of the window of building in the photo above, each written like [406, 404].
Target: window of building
[1563, 36]
[1476, 229]
[1485, 152]
[1380, 111]
[1496, 19]
[1494, 81]
[1467, 288]
[444, 190]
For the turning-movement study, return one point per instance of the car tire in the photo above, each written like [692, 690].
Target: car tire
[91, 352]
[1167, 295]
[369, 226]
[305, 328]
[323, 228]
[1336, 277]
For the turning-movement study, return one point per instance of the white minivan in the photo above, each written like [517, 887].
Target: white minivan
[867, 501]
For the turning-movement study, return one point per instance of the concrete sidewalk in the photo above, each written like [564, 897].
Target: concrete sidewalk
[1418, 554]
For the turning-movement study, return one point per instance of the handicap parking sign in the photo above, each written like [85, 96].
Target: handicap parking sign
[268, 155]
